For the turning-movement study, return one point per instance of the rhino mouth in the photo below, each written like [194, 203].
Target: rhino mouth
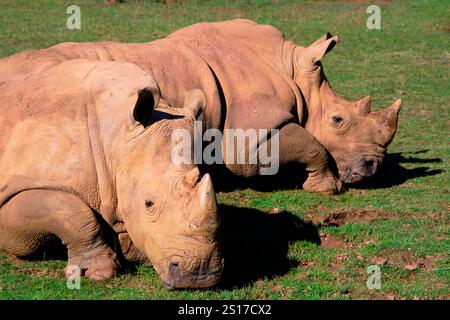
[193, 281]
[202, 273]
[363, 168]
[352, 177]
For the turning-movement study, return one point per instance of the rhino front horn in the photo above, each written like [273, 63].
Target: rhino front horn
[203, 209]
[387, 120]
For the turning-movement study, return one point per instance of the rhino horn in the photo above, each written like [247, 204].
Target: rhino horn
[185, 185]
[387, 120]
[363, 106]
[203, 210]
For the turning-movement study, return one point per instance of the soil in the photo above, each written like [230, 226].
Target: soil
[339, 218]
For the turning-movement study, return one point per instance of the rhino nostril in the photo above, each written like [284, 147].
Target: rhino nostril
[370, 166]
[368, 163]
[173, 267]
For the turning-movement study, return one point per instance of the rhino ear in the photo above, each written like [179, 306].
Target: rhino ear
[147, 100]
[316, 51]
[194, 102]
[323, 38]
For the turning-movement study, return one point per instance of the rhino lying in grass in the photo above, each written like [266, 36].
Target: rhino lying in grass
[254, 79]
[81, 143]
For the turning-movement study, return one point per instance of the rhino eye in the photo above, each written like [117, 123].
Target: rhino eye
[336, 119]
[151, 211]
[148, 203]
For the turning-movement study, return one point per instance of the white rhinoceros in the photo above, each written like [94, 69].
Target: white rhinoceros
[253, 79]
[88, 142]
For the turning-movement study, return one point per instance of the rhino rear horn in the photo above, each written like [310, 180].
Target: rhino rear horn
[387, 120]
[363, 106]
[147, 100]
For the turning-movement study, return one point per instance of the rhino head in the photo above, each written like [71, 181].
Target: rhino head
[356, 137]
[168, 209]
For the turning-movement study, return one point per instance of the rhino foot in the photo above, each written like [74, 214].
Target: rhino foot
[101, 265]
[33, 217]
[325, 183]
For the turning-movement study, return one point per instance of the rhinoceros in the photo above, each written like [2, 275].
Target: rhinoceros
[254, 79]
[85, 149]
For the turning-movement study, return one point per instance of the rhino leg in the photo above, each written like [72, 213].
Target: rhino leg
[32, 217]
[129, 250]
[298, 145]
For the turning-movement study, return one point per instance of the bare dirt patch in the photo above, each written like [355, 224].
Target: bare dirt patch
[339, 218]
[405, 259]
[36, 272]
[306, 264]
[332, 242]
[339, 260]
[30, 271]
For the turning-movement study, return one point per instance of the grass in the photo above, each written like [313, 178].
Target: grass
[400, 221]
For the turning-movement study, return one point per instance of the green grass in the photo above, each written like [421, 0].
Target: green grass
[408, 234]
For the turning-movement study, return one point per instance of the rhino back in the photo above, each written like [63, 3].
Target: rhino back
[40, 60]
[245, 69]
[44, 142]
[253, 66]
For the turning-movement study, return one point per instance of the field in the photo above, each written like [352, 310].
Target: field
[318, 247]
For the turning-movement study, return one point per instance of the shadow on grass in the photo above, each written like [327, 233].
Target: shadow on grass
[53, 249]
[391, 173]
[255, 243]
[288, 177]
